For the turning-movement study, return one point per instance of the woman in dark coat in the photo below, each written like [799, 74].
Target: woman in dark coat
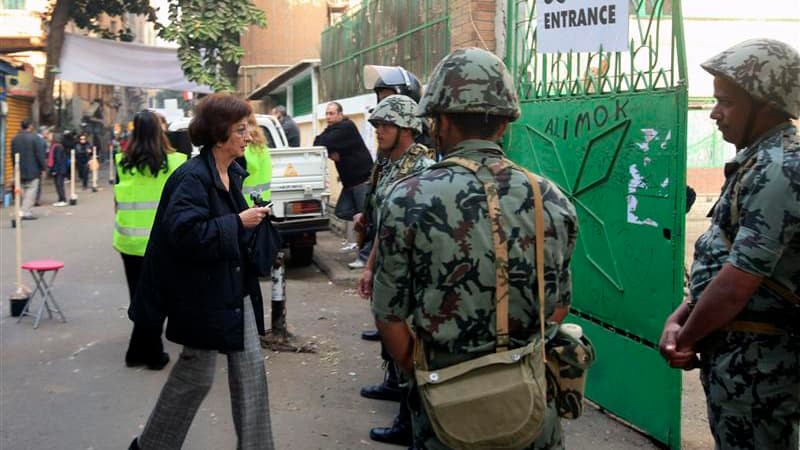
[60, 168]
[196, 275]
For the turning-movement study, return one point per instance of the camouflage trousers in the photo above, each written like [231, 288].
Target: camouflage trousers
[752, 386]
[425, 438]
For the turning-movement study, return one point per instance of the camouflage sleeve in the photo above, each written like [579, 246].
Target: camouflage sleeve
[769, 218]
[391, 292]
[562, 232]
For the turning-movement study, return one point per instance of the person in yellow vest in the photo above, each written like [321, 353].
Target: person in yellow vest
[142, 172]
[258, 164]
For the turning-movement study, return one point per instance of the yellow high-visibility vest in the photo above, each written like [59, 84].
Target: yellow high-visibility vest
[137, 197]
[259, 166]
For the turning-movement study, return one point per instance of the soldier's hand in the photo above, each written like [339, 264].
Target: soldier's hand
[667, 346]
[365, 284]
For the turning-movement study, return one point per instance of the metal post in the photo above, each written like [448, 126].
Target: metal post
[73, 199]
[95, 167]
[278, 315]
[111, 164]
[22, 294]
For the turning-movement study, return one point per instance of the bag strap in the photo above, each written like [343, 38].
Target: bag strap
[538, 206]
[500, 246]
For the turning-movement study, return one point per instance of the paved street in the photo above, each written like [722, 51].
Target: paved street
[65, 386]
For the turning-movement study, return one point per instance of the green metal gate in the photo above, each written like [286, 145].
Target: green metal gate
[610, 129]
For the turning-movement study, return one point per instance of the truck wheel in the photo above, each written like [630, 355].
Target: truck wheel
[301, 256]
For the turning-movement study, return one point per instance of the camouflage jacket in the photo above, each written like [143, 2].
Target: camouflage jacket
[436, 259]
[765, 240]
[416, 158]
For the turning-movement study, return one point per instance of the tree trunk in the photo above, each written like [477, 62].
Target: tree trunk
[55, 41]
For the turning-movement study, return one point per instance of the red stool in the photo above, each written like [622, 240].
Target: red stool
[38, 269]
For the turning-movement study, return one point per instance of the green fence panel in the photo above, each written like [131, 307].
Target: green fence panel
[409, 33]
[610, 129]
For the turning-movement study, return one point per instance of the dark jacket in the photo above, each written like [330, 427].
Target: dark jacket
[60, 160]
[31, 158]
[292, 132]
[194, 272]
[355, 163]
[82, 152]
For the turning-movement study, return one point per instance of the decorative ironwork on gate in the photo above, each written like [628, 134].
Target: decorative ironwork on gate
[655, 59]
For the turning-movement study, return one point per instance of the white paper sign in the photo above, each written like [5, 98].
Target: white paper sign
[581, 25]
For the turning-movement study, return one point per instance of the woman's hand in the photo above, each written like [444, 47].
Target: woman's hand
[253, 216]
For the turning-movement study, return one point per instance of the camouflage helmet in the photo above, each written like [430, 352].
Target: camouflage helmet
[470, 80]
[397, 110]
[767, 69]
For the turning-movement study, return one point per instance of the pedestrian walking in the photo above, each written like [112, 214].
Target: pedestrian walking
[742, 314]
[60, 168]
[396, 126]
[32, 166]
[439, 263]
[45, 137]
[142, 173]
[196, 273]
[83, 151]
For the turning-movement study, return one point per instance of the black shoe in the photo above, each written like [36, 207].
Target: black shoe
[383, 391]
[153, 364]
[371, 335]
[134, 444]
[397, 434]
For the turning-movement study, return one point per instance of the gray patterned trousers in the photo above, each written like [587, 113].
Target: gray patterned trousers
[190, 381]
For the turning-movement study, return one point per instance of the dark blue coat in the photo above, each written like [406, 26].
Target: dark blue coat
[194, 272]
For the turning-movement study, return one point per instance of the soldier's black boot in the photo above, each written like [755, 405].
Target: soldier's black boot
[371, 335]
[398, 434]
[388, 390]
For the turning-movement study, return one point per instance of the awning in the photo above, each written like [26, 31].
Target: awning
[103, 61]
[282, 78]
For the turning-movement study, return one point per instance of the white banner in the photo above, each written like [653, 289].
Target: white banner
[103, 61]
[581, 25]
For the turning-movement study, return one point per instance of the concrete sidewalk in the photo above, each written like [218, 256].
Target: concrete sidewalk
[333, 262]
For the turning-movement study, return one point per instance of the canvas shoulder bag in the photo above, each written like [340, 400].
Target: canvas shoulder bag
[497, 400]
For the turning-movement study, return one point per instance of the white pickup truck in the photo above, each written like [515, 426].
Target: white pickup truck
[299, 185]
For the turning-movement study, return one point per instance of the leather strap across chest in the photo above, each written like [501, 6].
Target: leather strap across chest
[487, 178]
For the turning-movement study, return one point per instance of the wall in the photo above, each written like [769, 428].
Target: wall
[472, 24]
[292, 34]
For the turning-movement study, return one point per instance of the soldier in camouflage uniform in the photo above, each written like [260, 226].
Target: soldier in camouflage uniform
[436, 260]
[741, 315]
[396, 127]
